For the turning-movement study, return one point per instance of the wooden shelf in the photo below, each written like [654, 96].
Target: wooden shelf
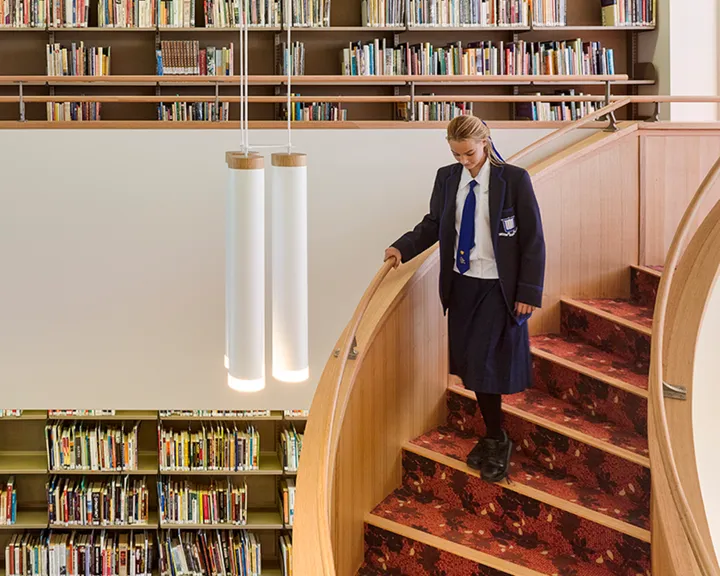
[272, 125]
[269, 466]
[431, 28]
[120, 415]
[345, 29]
[99, 29]
[257, 520]
[275, 415]
[235, 30]
[26, 415]
[635, 28]
[319, 80]
[152, 524]
[23, 463]
[148, 466]
[28, 520]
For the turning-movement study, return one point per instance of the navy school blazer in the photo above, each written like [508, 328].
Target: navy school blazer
[516, 229]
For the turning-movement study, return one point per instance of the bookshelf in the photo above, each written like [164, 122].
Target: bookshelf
[133, 64]
[24, 456]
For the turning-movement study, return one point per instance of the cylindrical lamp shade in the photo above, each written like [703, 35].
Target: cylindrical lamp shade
[245, 272]
[289, 268]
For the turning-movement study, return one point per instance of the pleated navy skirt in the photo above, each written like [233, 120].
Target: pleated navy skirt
[489, 347]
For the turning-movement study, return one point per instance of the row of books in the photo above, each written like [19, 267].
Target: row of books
[186, 57]
[194, 112]
[296, 413]
[8, 502]
[165, 13]
[219, 502]
[468, 12]
[124, 501]
[289, 448]
[94, 553]
[628, 12]
[89, 446]
[72, 111]
[52, 413]
[286, 500]
[478, 58]
[207, 553]
[433, 111]
[169, 413]
[380, 13]
[216, 413]
[78, 60]
[313, 13]
[226, 13]
[213, 447]
[554, 111]
[83, 502]
[318, 111]
[286, 555]
[293, 59]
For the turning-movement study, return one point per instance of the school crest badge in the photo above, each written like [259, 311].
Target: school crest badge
[509, 226]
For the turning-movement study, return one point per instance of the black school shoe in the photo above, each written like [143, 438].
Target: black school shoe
[497, 461]
[477, 455]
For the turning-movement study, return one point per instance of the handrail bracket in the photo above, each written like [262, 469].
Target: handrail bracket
[353, 354]
[674, 392]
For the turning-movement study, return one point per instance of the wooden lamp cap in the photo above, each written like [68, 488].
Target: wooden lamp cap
[242, 161]
[289, 160]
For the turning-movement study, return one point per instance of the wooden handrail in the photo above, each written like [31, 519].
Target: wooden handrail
[569, 128]
[697, 544]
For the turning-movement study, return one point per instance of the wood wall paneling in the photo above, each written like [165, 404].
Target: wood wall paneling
[674, 165]
[590, 211]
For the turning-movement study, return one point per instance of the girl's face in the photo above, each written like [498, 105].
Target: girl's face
[470, 153]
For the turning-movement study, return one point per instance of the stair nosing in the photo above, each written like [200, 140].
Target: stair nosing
[450, 547]
[607, 315]
[609, 380]
[536, 494]
[564, 430]
[647, 270]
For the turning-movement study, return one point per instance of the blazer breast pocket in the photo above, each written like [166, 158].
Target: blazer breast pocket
[508, 223]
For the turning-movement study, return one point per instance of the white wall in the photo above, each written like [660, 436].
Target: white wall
[112, 256]
[684, 50]
[706, 404]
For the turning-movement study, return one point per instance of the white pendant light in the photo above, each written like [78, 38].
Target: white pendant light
[289, 268]
[245, 272]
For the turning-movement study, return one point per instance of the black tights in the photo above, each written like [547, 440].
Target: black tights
[490, 407]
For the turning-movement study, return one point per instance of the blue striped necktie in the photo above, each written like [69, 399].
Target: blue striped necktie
[466, 240]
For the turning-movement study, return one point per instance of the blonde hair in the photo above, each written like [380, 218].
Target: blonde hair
[472, 128]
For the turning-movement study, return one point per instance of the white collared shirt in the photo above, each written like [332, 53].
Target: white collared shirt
[482, 255]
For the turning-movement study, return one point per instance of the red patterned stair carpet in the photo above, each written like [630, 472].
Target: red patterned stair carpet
[577, 501]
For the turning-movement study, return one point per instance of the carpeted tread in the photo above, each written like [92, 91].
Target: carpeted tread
[557, 482]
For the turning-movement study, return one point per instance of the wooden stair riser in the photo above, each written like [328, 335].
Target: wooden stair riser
[643, 286]
[390, 553]
[511, 512]
[605, 334]
[591, 466]
[598, 400]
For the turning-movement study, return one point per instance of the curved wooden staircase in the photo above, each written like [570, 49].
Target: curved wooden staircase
[383, 487]
[578, 498]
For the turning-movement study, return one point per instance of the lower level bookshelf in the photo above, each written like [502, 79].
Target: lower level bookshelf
[225, 467]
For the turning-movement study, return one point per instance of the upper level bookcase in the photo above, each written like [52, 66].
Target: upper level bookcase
[23, 52]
